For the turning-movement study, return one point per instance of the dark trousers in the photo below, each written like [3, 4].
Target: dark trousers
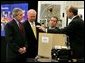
[19, 58]
[3, 49]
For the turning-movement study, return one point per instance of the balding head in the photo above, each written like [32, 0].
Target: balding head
[31, 14]
[31, 11]
[72, 11]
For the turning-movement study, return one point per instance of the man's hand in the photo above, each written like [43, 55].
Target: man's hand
[42, 28]
[22, 50]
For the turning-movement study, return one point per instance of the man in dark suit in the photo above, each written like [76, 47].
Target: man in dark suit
[31, 33]
[75, 31]
[52, 28]
[15, 38]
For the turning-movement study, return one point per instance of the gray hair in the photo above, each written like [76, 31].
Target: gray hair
[31, 11]
[15, 11]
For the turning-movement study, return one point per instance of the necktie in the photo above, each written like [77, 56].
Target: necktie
[34, 30]
[21, 28]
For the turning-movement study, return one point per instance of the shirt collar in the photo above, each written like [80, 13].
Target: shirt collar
[73, 17]
[32, 23]
[52, 27]
[16, 21]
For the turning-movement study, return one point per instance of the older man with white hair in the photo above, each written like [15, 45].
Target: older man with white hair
[31, 33]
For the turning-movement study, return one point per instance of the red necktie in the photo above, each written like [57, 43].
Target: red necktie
[21, 28]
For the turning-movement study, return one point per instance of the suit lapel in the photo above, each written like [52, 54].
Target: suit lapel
[31, 29]
[29, 26]
[16, 26]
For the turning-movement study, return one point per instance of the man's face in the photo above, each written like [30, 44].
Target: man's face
[32, 17]
[19, 16]
[69, 14]
[53, 22]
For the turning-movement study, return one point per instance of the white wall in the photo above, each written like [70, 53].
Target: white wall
[64, 5]
[81, 11]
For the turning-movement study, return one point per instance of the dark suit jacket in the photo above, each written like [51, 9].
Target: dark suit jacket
[14, 40]
[52, 30]
[32, 41]
[75, 31]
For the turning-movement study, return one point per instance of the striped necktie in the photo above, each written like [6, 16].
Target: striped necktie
[34, 30]
[21, 29]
